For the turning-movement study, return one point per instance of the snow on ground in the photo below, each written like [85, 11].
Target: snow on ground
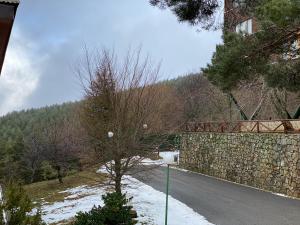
[150, 205]
[169, 157]
[166, 158]
[148, 202]
[281, 195]
[81, 198]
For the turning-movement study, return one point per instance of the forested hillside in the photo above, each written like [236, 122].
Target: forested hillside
[46, 143]
[33, 143]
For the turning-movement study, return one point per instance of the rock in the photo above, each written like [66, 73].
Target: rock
[133, 214]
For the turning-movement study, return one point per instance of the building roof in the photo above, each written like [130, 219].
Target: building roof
[8, 10]
[10, 1]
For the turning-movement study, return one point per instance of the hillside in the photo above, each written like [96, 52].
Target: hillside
[23, 155]
[30, 139]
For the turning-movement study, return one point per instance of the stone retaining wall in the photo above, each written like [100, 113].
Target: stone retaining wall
[266, 161]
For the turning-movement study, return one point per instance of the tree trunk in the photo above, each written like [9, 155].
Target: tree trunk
[4, 214]
[59, 175]
[33, 170]
[279, 102]
[288, 127]
[32, 176]
[264, 93]
[118, 176]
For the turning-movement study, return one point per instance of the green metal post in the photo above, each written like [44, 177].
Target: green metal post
[230, 106]
[243, 115]
[167, 194]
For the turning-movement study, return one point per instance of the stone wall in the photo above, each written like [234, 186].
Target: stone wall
[262, 160]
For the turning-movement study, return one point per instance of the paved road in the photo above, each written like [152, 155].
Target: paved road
[224, 203]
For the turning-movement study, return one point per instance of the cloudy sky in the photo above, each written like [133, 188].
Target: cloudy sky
[49, 36]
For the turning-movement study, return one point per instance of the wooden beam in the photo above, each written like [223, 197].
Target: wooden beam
[7, 14]
[243, 115]
[297, 113]
[5, 30]
[7, 11]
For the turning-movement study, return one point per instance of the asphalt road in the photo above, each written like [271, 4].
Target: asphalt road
[224, 203]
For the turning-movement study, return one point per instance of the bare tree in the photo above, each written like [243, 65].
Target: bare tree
[122, 100]
[34, 151]
[60, 145]
[201, 100]
[259, 101]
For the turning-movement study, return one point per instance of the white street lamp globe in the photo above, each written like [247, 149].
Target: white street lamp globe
[145, 126]
[110, 134]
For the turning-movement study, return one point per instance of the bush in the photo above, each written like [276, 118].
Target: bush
[114, 212]
[47, 171]
[93, 217]
[18, 207]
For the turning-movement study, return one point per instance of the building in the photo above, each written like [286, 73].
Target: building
[8, 10]
[236, 20]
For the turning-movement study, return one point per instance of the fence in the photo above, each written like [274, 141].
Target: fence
[258, 126]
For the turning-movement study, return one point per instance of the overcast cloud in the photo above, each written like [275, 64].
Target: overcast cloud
[49, 35]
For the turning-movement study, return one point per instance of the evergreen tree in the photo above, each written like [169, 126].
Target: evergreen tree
[18, 208]
[271, 53]
[23, 141]
[194, 12]
[115, 211]
[201, 12]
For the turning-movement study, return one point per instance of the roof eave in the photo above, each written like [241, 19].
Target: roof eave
[7, 36]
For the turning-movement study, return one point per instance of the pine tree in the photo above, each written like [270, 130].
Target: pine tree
[271, 53]
[18, 208]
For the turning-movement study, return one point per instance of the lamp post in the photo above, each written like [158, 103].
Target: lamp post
[110, 134]
[168, 181]
[145, 126]
[167, 194]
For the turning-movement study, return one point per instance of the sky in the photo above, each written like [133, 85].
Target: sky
[49, 37]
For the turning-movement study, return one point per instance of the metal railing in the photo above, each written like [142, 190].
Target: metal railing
[254, 126]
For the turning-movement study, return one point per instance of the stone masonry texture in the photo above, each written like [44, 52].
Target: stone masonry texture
[263, 160]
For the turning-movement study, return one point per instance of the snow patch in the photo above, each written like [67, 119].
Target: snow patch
[169, 157]
[281, 195]
[166, 158]
[59, 211]
[150, 206]
[148, 202]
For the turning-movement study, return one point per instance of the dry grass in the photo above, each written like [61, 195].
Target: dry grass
[49, 191]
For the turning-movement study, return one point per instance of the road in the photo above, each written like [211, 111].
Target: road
[225, 203]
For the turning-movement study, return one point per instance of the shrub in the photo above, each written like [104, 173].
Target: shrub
[93, 217]
[47, 171]
[19, 207]
[114, 212]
